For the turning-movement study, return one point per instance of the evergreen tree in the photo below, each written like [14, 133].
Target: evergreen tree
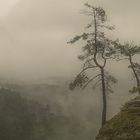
[98, 49]
[127, 52]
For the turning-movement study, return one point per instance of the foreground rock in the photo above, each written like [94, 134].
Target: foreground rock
[125, 125]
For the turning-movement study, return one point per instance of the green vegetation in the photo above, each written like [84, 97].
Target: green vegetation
[98, 49]
[22, 119]
[128, 52]
[124, 125]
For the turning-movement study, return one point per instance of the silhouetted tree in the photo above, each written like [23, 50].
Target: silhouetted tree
[127, 52]
[97, 50]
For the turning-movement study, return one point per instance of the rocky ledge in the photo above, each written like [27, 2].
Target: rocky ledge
[125, 125]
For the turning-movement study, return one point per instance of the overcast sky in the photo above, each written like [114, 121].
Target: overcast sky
[34, 34]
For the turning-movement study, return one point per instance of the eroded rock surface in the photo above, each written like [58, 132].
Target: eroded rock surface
[125, 125]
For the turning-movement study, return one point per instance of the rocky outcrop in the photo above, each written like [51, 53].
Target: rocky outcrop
[125, 125]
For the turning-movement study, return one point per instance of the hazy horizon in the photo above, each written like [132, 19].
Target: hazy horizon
[37, 63]
[34, 35]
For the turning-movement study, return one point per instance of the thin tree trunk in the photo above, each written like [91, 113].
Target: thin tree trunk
[104, 111]
[135, 74]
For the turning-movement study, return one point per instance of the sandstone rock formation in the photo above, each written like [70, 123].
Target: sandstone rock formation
[125, 125]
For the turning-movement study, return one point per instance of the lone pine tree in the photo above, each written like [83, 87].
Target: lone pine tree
[127, 52]
[97, 50]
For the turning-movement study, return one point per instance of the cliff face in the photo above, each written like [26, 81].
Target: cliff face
[125, 125]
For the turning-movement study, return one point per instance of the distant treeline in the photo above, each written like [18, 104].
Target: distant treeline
[21, 119]
[24, 119]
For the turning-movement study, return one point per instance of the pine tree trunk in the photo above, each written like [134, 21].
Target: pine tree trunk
[135, 74]
[104, 111]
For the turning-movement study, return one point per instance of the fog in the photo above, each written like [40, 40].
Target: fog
[34, 35]
[34, 49]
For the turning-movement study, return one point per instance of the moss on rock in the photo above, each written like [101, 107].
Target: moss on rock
[125, 125]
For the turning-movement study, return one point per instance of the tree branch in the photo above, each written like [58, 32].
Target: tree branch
[90, 81]
[120, 59]
[104, 57]
[96, 83]
[89, 63]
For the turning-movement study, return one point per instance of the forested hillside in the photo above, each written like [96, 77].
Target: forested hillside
[26, 119]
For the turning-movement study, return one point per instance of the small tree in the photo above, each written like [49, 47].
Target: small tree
[96, 52]
[128, 51]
